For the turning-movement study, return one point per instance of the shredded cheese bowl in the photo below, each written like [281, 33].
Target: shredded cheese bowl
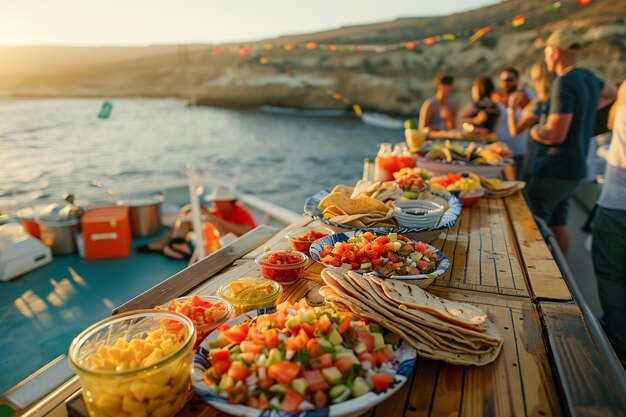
[136, 363]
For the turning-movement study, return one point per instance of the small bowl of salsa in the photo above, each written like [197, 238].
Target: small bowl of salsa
[300, 239]
[283, 266]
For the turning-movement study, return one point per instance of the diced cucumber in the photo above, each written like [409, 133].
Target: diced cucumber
[337, 390]
[292, 323]
[225, 383]
[366, 265]
[275, 356]
[334, 337]
[278, 389]
[346, 266]
[339, 348]
[393, 237]
[379, 341]
[360, 348]
[332, 375]
[415, 256]
[246, 344]
[360, 386]
[305, 317]
[324, 343]
[299, 385]
[350, 355]
[235, 349]
[219, 342]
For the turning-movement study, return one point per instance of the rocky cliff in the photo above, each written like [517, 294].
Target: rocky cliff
[394, 81]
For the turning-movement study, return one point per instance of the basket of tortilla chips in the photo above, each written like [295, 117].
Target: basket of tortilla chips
[367, 207]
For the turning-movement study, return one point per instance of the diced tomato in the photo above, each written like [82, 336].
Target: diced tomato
[238, 333]
[284, 372]
[238, 371]
[323, 324]
[384, 355]
[368, 357]
[320, 399]
[271, 338]
[221, 355]
[307, 328]
[421, 247]
[382, 381]
[321, 362]
[315, 381]
[422, 264]
[247, 357]
[377, 262]
[343, 364]
[291, 402]
[355, 265]
[313, 346]
[344, 326]
[367, 236]
[263, 401]
[219, 367]
[238, 394]
[382, 239]
[265, 383]
[364, 337]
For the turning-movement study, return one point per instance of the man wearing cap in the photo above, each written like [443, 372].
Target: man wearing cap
[226, 216]
[560, 145]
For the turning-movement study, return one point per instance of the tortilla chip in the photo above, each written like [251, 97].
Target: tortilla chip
[343, 189]
[352, 206]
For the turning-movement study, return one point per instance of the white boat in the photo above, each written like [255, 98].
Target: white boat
[382, 120]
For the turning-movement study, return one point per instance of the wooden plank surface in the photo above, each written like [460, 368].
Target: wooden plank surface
[483, 252]
[588, 391]
[545, 279]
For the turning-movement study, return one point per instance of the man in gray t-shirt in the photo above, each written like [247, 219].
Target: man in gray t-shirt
[559, 159]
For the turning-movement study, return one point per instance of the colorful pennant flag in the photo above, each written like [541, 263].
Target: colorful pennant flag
[518, 21]
[480, 33]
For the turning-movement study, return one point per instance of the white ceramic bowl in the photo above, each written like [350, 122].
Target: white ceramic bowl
[417, 213]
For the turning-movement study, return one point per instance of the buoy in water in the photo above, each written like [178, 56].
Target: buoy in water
[106, 109]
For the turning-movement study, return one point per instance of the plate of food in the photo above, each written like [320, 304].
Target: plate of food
[328, 363]
[391, 255]
[487, 161]
[342, 213]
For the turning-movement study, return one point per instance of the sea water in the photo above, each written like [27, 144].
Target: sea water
[50, 147]
[55, 146]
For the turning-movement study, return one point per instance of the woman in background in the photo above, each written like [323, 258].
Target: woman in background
[482, 113]
[439, 112]
[530, 115]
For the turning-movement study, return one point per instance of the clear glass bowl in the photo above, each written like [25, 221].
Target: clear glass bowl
[283, 273]
[135, 363]
[205, 319]
[254, 300]
[300, 243]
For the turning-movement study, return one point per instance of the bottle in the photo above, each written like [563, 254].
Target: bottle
[381, 163]
[403, 156]
[368, 170]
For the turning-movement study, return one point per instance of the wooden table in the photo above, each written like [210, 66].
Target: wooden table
[500, 263]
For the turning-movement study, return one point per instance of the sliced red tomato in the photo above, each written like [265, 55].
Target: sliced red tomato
[321, 362]
[343, 364]
[367, 236]
[315, 381]
[291, 402]
[221, 355]
[382, 381]
[384, 355]
[382, 239]
[344, 326]
[271, 338]
[238, 333]
[238, 371]
[284, 372]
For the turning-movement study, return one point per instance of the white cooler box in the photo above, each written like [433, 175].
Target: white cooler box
[20, 252]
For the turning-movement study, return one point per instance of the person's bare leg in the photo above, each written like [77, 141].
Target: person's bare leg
[180, 230]
[561, 234]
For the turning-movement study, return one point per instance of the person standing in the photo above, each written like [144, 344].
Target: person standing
[439, 112]
[609, 233]
[519, 121]
[482, 112]
[559, 161]
[509, 82]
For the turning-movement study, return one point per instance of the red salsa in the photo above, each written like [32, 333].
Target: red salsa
[282, 266]
[303, 243]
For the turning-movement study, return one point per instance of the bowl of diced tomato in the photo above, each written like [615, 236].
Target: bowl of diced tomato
[300, 239]
[206, 312]
[283, 266]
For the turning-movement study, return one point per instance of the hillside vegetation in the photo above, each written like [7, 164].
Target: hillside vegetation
[394, 81]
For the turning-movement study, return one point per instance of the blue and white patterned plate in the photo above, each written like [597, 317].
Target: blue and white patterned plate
[403, 363]
[421, 280]
[425, 234]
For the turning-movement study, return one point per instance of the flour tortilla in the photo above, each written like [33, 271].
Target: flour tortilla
[343, 302]
[420, 334]
[406, 295]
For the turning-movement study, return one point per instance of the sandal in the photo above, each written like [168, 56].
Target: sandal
[184, 256]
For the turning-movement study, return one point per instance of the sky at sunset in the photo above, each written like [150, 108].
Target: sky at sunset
[145, 22]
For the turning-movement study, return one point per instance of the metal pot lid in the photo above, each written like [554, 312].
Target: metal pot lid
[141, 200]
[57, 213]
